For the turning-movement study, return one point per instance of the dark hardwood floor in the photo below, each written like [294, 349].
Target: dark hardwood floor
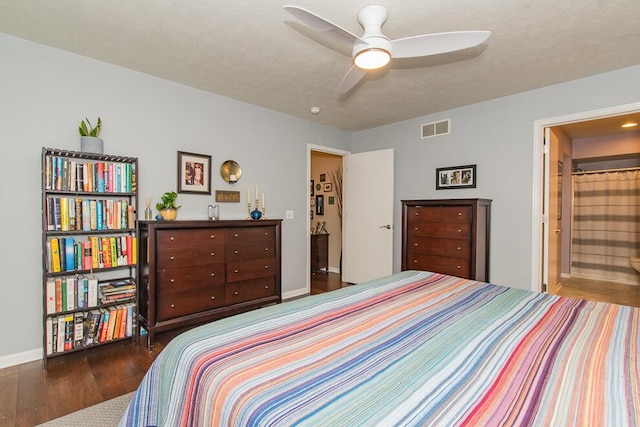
[30, 395]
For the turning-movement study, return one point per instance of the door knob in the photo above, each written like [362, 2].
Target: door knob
[557, 230]
[388, 226]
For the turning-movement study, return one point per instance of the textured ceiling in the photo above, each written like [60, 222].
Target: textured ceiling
[254, 51]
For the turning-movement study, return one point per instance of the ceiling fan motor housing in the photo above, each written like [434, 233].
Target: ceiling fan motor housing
[371, 19]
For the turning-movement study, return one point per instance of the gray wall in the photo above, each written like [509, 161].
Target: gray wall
[498, 136]
[45, 94]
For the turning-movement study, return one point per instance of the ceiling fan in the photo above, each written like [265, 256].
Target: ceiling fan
[374, 50]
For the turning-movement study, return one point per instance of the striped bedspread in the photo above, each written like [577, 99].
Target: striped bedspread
[415, 348]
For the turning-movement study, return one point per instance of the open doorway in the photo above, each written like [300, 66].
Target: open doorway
[593, 141]
[325, 221]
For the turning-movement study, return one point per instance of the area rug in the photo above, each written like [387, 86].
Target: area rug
[105, 414]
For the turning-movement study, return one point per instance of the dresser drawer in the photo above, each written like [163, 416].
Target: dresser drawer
[187, 277]
[171, 305]
[440, 229]
[440, 264]
[250, 234]
[439, 213]
[188, 237]
[244, 270]
[246, 251]
[197, 255]
[248, 290]
[456, 248]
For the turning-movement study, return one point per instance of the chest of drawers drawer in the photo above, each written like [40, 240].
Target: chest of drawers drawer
[189, 237]
[188, 256]
[244, 270]
[441, 229]
[456, 248]
[447, 265]
[248, 290]
[246, 251]
[186, 277]
[439, 213]
[173, 303]
[249, 235]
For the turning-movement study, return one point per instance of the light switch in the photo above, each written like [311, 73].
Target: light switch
[289, 214]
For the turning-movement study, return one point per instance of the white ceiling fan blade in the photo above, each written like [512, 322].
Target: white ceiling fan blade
[353, 76]
[318, 23]
[434, 44]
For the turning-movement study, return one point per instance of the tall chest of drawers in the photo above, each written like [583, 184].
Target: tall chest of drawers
[447, 236]
[197, 271]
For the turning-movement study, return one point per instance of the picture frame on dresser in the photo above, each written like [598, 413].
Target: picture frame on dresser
[194, 173]
[456, 177]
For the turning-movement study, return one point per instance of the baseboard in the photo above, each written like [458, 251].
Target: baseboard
[294, 294]
[19, 358]
[334, 270]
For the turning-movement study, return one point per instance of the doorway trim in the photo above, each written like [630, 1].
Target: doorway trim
[322, 149]
[539, 193]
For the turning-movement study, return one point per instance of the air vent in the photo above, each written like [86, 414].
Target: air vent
[442, 127]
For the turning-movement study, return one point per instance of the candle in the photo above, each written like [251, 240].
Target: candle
[232, 178]
[262, 201]
[256, 192]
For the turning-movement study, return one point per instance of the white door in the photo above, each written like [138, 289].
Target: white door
[367, 240]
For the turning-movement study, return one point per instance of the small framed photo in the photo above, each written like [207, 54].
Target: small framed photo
[456, 177]
[328, 187]
[319, 204]
[312, 185]
[194, 173]
[332, 200]
[323, 177]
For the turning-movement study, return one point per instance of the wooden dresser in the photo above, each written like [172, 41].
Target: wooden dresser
[447, 236]
[195, 271]
[319, 252]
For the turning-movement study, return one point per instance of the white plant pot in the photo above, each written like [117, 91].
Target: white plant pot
[91, 144]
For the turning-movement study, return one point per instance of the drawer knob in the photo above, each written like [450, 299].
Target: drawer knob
[173, 280]
[415, 260]
[415, 244]
[266, 233]
[266, 267]
[459, 248]
[266, 286]
[173, 306]
[459, 213]
[235, 293]
[235, 252]
[213, 254]
[416, 214]
[213, 274]
[458, 267]
[415, 228]
[235, 271]
[459, 231]
[266, 249]
[213, 236]
[235, 235]
[172, 258]
[213, 297]
[172, 238]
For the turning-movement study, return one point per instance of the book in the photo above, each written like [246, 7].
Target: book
[68, 332]
[63, 256]
[92, 323]
[95, 250]
[71, 293]
[112, 323]
[87, 256]
[86, 215]
[92, 284]
[104, 324]
[129, 320]
[60, 334]
[58, 284]
[55, 255]
[70, 259]
[64, 214]
[49, 332]
[92, 215]
[78, 329]
[51, 295]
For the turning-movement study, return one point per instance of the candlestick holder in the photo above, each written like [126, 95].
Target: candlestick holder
[249, 210]
[264, 213]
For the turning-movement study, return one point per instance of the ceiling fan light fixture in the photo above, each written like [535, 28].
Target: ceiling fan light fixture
[372, 58]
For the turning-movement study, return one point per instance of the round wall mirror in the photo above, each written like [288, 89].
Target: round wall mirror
[230, 171]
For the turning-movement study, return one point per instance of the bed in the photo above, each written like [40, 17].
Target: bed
[414, 348]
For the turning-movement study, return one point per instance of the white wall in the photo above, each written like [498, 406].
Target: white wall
[496, 135]
[46, 92]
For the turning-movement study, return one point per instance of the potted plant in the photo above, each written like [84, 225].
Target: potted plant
[89, 141]
[167, 206]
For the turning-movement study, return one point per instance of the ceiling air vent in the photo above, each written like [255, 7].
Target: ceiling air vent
[442, 127]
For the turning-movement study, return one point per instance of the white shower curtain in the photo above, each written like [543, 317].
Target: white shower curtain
[606, 225]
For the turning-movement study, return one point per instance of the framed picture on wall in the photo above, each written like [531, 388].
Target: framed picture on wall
[319, 204]
[456, 177]
[194, 173]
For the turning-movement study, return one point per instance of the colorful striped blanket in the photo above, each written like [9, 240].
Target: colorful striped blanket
[415, 348]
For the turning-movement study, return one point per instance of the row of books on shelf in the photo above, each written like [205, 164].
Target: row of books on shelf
[81, 214]
[69, 293]
[65, 174]
[77, 330]
[67, 254]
